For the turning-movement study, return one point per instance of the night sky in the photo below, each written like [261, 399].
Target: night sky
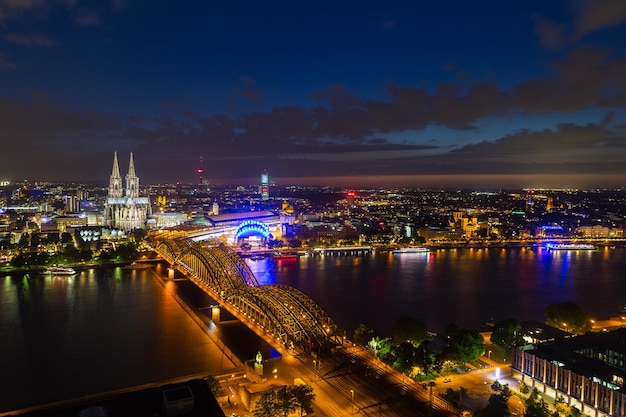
[440, 93]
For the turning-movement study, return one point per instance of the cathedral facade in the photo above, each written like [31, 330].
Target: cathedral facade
[125, 209]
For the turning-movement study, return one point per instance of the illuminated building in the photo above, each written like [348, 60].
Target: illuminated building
[200, 171]
[467, 224]
[125, 211]
[265, 185]
[587, 371]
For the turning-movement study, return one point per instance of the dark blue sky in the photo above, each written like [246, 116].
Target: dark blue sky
[482, 94]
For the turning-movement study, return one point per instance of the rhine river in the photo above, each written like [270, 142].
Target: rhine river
[108, 329]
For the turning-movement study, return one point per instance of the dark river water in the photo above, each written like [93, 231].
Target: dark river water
[107, 329]
[467, 287]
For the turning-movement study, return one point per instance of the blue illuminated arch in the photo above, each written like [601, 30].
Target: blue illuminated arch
[252, 228]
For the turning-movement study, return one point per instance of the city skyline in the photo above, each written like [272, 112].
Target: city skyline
[479, 95]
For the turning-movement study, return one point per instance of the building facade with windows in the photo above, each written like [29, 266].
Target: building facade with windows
[125, 209]
[588, 371]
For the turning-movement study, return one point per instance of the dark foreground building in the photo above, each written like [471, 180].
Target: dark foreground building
[588, 371]
[189, 399]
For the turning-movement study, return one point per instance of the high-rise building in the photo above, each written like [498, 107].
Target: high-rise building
[265, 185]
[128, 210]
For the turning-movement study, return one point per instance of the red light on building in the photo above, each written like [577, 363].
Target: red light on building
[351, 194]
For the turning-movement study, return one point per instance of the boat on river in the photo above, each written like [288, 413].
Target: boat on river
[411, 249]
[60, 270]
[570, 246]
[285, 256]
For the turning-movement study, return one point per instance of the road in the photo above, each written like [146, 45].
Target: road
[351, 381]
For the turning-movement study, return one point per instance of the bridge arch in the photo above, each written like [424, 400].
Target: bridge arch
[280, 312]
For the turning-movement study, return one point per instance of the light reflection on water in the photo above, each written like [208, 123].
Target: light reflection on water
[463, 286]
[99, 330]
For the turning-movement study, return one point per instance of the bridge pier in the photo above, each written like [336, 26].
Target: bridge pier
[215, 314]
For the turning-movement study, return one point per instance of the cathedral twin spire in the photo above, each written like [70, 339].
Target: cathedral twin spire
[115, 182]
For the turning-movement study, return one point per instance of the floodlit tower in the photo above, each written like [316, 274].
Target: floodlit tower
[200, 172]
[115, 181]
[265, 185]
[132, 182]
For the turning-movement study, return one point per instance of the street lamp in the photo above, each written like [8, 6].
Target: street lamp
[489, 355]
[352, 395]
[317, 369]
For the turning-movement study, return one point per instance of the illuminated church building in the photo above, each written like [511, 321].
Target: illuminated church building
[125, 210]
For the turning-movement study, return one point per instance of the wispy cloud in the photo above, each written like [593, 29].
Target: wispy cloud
[588, 16]
[30, 39]
[5, 63]
[87, 17]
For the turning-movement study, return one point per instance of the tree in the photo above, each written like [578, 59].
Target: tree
[427, 358]
[304, 397]
[24, 241]
[405, 356]
[266, 406]
[295, 243]
[455, 397]
[285, 400]
[536, 405]
[128, 252]
[567, 315]
[497, 406]
[363, 334]
[66, 238]
[506, 334]
[463, 345]
[409, 329]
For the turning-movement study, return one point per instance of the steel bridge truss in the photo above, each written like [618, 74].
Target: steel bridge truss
[283, 313]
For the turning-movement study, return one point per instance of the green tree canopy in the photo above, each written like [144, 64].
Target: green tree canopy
[536, 406]
[568, 316]
[507, 333]
[363, 334]
[463, 345]
[409, 329]
[428, 358]
[405, 356]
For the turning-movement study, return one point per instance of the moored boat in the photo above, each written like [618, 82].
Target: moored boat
[411, 249]
[570, 246]
[60, 270]
[285, 256]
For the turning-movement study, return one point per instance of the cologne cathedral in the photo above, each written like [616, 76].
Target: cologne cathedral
[125, 210]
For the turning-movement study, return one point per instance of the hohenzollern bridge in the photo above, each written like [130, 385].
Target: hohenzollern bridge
[281, 314]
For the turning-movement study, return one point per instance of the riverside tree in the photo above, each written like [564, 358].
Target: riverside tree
[409, 329]
[506, 334]
[569, 316]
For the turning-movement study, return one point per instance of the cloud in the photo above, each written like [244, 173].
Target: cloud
[30, 39]
[567, 139]
[22, 4]
[589, 16]
[599, 14]
[87, 17]
[5, 63]
[251, 94]
[247, 80]
[41, 121]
